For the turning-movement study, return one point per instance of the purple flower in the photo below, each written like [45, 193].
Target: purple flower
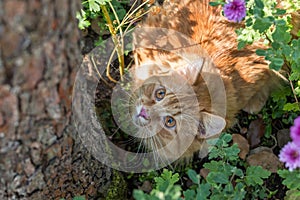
[235, 10]
[290, 155]
[295, 131]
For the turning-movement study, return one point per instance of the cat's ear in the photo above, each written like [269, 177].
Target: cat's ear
[210, 125]
[192, 70]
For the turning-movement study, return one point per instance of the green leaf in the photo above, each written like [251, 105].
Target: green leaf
[238, 172]
[255, 174]
[102, 2]
[286, 50]
[276, 63]
[280, 22]
[296, 44]
[203, 191]
[193, 176]
[249, 22]
[280, 11]
[79, 198]
[83, 23]
[259, 4]
[281, 34]
[296, 52]
[213, 165]
[121, 13]
[167, 175]
[295, 76]
[276, 45]
[189, 194]
[94, 6]
[261, 52]
[226, 138]
[241, 45]
[140, 195]
[262, 24]
[295, 107]
[172, 193]
[239, 191]
[258, 12]
[166, 180]
[292, 195]
[292, 178]
[216, 3]
[217, 177]
[231, 153]
[228, 189]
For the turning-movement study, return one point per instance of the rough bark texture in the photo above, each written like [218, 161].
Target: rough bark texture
[40, 54]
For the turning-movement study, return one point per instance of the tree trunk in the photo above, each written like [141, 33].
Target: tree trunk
[39, 57]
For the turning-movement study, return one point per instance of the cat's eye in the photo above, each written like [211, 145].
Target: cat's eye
[160, 94]
[170, 122]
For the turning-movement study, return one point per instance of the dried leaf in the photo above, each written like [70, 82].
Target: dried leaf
[268, 160]
[204, 172]
[283, 137]
[242, 144]
[243, 130]
[146, 187]
[255, 132]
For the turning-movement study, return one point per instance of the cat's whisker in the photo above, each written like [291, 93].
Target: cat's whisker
[154, 149]
[141, 146]
[188, 116]
[129, 94]
[114, 133]
[130, 141]
[160, 158]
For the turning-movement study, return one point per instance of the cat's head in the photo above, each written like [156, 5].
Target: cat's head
[171, 111]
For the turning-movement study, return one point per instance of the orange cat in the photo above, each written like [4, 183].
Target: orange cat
[190, 79]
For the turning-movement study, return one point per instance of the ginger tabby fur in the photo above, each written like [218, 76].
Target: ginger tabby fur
[211, 44]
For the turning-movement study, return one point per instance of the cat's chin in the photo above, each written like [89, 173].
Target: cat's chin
[141, 116]
[141, 121]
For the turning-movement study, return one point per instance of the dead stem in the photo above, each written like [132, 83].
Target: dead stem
[293, 89]
[95, 66]
[115, 40]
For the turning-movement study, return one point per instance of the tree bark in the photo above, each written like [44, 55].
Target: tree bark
[40, 54]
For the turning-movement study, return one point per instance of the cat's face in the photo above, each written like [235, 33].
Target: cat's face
[166, 110]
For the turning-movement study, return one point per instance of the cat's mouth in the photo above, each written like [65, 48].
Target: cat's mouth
[142, 118]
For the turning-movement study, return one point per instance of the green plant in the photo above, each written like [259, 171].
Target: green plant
[227, 178]
[165, 188]
[269, 23]
[265, 21]
[77, 198]
[291, 180]
[116, 19]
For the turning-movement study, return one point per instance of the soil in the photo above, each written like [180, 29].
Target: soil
[40, 157]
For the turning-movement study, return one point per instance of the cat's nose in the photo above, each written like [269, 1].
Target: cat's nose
[143, 113]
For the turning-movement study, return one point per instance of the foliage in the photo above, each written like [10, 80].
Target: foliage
[117, 188]
[92, 10]
[165, 188]
[226, 178]
[272, 24]
[79, 198]
[267, 22]
[83, 21]
[291, 180]
[115, 17]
